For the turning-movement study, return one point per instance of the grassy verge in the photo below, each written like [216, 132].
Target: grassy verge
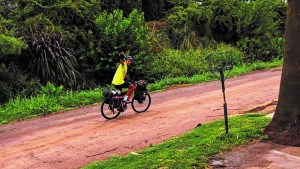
[192, 149]
[19, 109]
[238, 70]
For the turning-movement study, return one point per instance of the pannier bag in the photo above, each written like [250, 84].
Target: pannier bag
[106, 93]
[141, 85]
[141, 91]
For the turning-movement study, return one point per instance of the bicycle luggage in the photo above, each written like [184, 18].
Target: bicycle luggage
[141, 85]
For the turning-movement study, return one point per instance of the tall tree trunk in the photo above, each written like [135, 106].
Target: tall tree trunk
[285, 125]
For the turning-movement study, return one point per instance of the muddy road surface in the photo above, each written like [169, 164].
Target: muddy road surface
[77, 137]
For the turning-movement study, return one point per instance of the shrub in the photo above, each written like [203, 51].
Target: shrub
[118, 33]
[187, 24]
[69, 20]
[172, 63]
[223, 19]
[51, 90]
[224, 54]
[256, 27]
[10, 45]
[14, 83]
[261, 49]
[51, 60]
[259, 30]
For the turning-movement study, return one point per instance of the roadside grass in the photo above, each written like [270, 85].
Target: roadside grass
[24, 108]
[192, 149]
[19, 109]
[206, 77]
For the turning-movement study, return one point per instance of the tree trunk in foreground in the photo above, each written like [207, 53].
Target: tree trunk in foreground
[285, 125]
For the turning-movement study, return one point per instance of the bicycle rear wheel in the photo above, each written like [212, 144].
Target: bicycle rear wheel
[108, 111]
[140, 106]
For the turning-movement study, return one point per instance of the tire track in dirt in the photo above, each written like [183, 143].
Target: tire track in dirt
[77, 137]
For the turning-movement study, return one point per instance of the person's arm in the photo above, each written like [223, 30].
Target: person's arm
[121, 56]
[127, 77]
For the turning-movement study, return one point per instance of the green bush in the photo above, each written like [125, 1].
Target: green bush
[10, 45]
[256, 27]
[172, 63]
[51, 90]
[260, 32]
[188, 24]
[226, 54]
[118, 33]
[58, 28]
[211, 19]
[223, 19]
[125, 6]
[261, 49]
[52, 61]
[14, 83]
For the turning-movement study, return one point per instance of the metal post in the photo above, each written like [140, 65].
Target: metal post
[221, 66]
[222, 79]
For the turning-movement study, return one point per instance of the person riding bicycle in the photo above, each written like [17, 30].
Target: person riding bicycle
[121, 78]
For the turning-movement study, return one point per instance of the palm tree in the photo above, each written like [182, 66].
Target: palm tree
[285, 125]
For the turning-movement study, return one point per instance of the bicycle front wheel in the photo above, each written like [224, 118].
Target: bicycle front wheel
[140, 106]
[108, 111]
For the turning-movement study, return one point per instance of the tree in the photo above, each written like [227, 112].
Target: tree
[57, 35]
[126, 6]
[260, 30]
[154, 10]
[285, 125]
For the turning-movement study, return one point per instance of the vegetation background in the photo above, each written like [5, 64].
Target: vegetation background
[52, 48]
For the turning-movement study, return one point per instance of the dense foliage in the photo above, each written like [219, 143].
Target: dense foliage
[260, 34]
[15, 83]
[10, 45]
[75, 43]
[255, 27]
[119, 33]
[175, 63]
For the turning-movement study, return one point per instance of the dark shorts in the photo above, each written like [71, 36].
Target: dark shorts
[126, 84]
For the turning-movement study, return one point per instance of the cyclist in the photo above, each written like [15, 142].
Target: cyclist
[121, 78]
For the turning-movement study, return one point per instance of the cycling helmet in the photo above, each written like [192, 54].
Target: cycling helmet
[128, 58]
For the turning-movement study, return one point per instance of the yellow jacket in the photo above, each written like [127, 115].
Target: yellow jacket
[120, 74]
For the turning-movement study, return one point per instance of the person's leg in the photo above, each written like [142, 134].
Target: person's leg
[119, 87]
[131, 88]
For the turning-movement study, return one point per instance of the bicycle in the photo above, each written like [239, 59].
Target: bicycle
[113, 104]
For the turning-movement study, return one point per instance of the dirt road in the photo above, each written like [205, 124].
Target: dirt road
[77, 137]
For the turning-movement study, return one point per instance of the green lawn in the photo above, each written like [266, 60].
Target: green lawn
[192, 149]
